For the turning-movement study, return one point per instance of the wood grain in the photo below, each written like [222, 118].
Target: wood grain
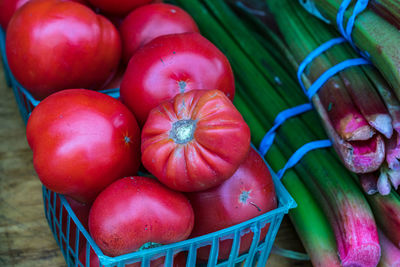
[25, 238]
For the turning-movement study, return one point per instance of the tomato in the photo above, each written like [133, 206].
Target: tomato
[82, 141]
[118, 7]
[134, 211]
[194, 141]
[248, 193]
[53, 45]
[173, 64]
[147, 22]
[7, 9]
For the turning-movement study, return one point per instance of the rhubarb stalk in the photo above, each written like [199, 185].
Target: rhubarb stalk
[390, 252]
[386, 210]
[388, 10]
[347, 121]
[374, 35]
[357, 84]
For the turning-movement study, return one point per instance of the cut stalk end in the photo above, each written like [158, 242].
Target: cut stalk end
[383, 124]
[362, 156]
[364, 256]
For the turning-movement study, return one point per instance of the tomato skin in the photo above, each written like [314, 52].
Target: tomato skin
[118, 7]
[173, 64]
[219, 142]
[136, 210]
[7, 9]
[150, 21]
[250, 192]
[53, 45]
[82, 141]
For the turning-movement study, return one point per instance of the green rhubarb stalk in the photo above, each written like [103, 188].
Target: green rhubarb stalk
[373, 35]
[357, 83]
[359, 157]
[357, 241]
[345, 117]
[363, 93]
[308, 219]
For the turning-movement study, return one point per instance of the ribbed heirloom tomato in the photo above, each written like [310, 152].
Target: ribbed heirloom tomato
[82, 141]
[53, 45]
[172, 64]
[194, 141]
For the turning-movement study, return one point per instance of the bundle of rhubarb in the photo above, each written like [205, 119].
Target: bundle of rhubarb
[337, 222]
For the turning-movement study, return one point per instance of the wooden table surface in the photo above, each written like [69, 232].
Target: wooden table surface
[25, 238]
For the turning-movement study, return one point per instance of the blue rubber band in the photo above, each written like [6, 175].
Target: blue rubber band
[315, 53]
[358, 8]
[316, 86]
[298, 155]
[269, 137]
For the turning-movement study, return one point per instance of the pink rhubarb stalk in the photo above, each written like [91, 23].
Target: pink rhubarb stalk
[386, 211]
[357, 156]
[390, 256]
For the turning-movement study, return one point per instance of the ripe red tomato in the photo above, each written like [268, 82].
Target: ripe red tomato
[118, 7]
[173, 64]
[194, 141]
[150, 21]
[53, 45]
[248, 193]
[82, 141]
[8, 8]
[137, 210]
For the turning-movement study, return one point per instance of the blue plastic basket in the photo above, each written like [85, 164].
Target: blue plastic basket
[56, 207]
[66, 227]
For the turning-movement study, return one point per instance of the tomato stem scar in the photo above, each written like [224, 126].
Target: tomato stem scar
[182, 131]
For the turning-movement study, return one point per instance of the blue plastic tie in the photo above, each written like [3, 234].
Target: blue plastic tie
[316, 86]
[358, 8]
[298, 155]
[269, 137]
[315, 53]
